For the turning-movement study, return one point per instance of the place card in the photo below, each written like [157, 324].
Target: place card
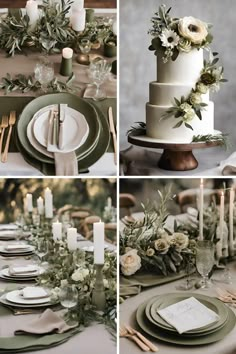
[188, 314]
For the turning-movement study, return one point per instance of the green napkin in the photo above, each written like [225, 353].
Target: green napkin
[134, 284]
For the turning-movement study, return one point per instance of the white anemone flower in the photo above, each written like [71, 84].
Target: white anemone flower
[169, 38]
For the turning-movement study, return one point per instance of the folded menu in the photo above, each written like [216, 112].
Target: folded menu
[188, 314]
[17, 247]
[31, 292]
[13, 270]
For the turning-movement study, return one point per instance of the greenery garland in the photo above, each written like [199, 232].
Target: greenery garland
[52, 31]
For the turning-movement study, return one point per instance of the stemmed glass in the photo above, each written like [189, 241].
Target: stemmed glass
[99, 71]
[204, 261]
[68, 298]
[41, 249]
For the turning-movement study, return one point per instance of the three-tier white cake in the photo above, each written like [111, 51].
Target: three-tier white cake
[176, 79]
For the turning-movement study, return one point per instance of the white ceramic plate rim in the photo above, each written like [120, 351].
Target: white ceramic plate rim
[30, 249]
[15, 297]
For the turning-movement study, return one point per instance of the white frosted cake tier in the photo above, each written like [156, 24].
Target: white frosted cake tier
[163, 128]
[185, 69]
[163, 94]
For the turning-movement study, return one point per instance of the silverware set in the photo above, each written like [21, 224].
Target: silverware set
[227, 296]
[113, 132]
[5, 123]
[132, 334]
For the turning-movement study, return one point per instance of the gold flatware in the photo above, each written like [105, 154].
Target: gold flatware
[4, 125]
[124, 333]
[12, 121]
[143, 339]
[113, 132]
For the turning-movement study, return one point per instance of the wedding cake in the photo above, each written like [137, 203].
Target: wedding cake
[179, 107]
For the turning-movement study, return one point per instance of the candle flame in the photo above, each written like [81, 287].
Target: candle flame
[222, 193]
[201, 181]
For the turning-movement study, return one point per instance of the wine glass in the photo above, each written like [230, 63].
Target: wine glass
[68, 298]
[204, 261]
[41, 249]
[99, 71]
[44, 72]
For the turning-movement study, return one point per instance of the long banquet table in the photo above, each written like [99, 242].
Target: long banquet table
[86, 342]
[24, 64]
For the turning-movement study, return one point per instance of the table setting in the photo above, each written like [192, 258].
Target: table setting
[177, 275]
[59, 111]
[56, 286]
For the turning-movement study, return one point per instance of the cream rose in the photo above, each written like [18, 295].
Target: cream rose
[161, 245]
[130, 262]
[195, 98]
[150, 252]
[180, 240]
[193, 29]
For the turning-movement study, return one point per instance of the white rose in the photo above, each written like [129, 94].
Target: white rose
[193, 29]
[161, 245]
[180, 241]
[130, 262]
[85, 272]
[64, 283]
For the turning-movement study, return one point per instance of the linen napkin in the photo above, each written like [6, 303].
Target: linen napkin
[28, 269]
[47, 322]
[188, 314]
[65, 163]
[17, 247]
[34, 292]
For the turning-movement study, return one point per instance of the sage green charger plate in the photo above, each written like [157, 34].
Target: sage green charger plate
[96, 143]
[170, 299]
[166, 336]
[157, 320]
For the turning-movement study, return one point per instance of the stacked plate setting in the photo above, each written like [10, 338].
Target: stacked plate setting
[27, 298]
[86, 129]
[21, 273]
[16, 250]
[153, 324]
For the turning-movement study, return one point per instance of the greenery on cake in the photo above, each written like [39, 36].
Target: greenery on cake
[186, 108]
[172, 36]
[147, 245]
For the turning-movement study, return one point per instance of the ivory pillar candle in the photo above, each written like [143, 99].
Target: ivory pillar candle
[48, 203]
[72, 238]
[109, 202]
[98, 240]
[32, 11]
[231, 221]
[57, 230]
[40, 206]
[78, 20]
[29, 202]
[201, 205]
[78, 5]
[222, 207]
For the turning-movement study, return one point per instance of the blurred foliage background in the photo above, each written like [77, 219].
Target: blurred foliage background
[90, 193]
[146, 189]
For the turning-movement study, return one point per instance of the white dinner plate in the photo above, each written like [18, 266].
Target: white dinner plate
[8, 227]
[7, 274]
[17, 298]
[34, 142]
[28, 250]
[76, 128]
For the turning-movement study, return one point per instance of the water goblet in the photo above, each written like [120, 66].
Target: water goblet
[204, 262]
[68, 297]
[44, 72]
[41, 249]
[99, 71]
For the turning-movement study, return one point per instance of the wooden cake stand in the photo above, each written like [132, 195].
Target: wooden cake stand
[175, 157]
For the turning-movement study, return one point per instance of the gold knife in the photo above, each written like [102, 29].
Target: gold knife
[113, 132]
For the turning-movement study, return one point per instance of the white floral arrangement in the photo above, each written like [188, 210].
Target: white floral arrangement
[146, 244]
[171, 36]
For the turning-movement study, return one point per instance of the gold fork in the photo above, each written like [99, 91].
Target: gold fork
[124, 333]
[4, 125]
[143, 339]
[12, 121]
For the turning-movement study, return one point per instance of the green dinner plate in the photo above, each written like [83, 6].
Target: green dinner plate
[168, 337]
[96, 143]
[169, 299]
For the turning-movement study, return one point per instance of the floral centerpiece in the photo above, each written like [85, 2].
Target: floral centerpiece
[148, 245]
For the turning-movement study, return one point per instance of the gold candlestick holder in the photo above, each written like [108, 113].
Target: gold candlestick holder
[98, 294]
